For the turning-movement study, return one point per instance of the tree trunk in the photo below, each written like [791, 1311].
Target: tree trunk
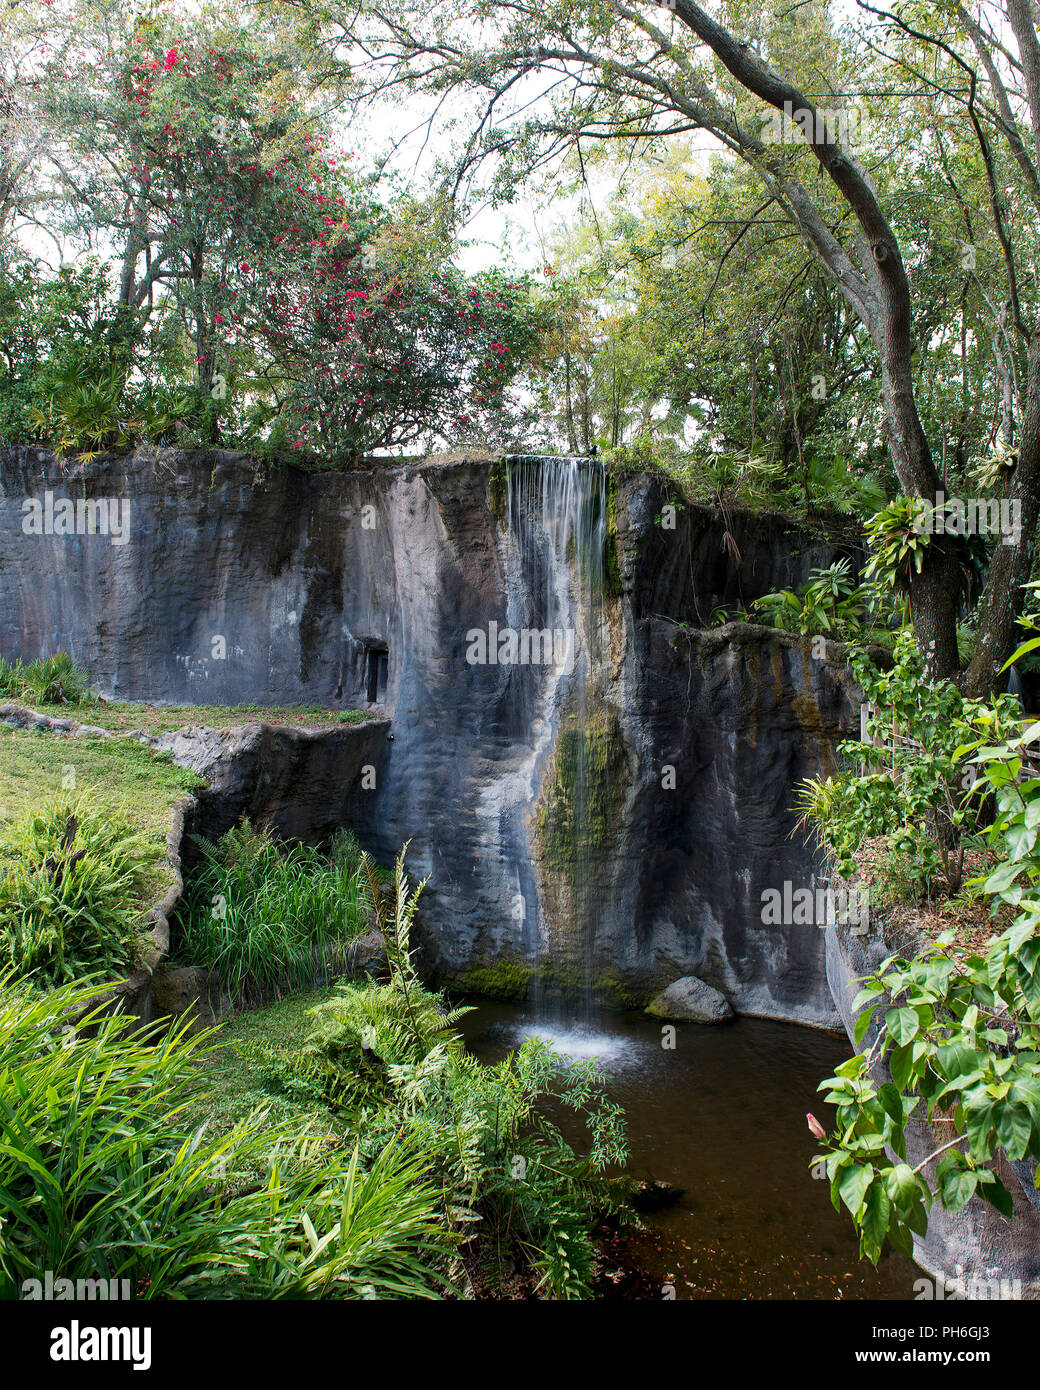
[1011, 565]
[882, 299]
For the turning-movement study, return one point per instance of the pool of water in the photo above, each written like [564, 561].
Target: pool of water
[723, 1117]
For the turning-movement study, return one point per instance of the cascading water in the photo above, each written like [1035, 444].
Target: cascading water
[557, 521]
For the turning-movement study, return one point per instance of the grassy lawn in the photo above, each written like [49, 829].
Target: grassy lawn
[123, 717]
[120, 776]
[232, 1086]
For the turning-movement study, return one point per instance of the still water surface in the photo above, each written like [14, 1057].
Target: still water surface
[723, 1117]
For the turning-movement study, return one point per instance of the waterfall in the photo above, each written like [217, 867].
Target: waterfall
[557, 525]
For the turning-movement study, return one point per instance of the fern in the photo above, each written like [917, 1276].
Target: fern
[388, 1056]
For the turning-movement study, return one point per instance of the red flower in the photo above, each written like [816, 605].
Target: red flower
[171, 60]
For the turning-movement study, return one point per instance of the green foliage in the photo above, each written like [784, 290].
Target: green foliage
[388, 1057]
[267, 916]
[84, 412]
[675, 319]
[10, 679]
[919, 794]
[897, 544]
[62, 365]
[828, 602]
[116, 1186]
[954, 1056]
[49, 680]
[270, 291]
[70, 898]
[959, 1037]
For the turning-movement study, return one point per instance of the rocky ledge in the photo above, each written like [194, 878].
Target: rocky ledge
[304, 783]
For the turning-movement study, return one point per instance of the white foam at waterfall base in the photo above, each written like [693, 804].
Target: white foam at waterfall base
[576, 1042]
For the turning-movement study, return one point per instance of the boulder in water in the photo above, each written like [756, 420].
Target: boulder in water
[689, 1000]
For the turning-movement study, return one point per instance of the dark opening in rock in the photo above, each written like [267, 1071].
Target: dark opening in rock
[377, 661]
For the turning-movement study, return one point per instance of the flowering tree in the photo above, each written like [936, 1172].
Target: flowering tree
[372, 351]
[305, 312]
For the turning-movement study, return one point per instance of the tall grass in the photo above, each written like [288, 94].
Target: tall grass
[70, 897]
[268, 917]
[10, 678]
[101, 1179]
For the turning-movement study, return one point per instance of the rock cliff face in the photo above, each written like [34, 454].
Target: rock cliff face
[304, 783]
[626, 804]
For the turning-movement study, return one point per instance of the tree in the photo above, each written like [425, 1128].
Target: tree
[187, 148]
[263, 287]
[741, 337]
[611, 71]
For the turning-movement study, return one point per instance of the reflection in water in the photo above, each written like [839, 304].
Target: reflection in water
[722, 1116]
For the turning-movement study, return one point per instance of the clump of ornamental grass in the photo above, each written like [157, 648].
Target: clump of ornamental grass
[268, 917]
[101, 1176]
[71, 891]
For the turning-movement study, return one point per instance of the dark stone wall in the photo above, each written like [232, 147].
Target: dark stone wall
[741, 715]
[302, 575]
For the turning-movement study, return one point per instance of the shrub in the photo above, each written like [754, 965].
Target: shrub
[388, 1056]
[954, 1032]
[109, 1183]
[49, 680]
[268, 916]
[828, 602]
[70, 899]
[918, 793]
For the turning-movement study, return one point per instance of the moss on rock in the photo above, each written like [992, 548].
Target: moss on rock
[580, 810]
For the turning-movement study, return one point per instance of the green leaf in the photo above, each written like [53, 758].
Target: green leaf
[853, 1187]
[1013, 1129]
[903, 1025]
[918, 1219]
[901, 1239]
[957, 1059]
[891, 1101]
[902, 1185]
[958, 1188]
[900, 1064]
[994, 1191]
[877, 1213]
[862, 1024]
[1020, 652]
[1002, 877]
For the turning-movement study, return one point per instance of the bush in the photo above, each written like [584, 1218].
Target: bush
[108, 1182]
[388, 1057]
[49, 680]
[918, 794]
[266, 916]
[70, 900]
[954, 1032]
[61, 341]
[828, 602]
